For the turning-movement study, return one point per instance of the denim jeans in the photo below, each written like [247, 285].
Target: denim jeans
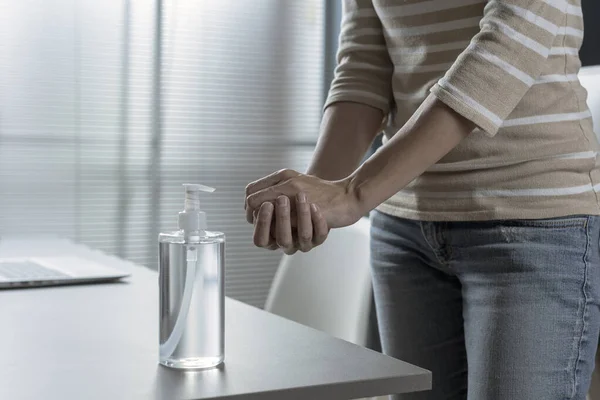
[499, 310]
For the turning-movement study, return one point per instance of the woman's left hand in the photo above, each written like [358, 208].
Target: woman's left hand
[338, 204]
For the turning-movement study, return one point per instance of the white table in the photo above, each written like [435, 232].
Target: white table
[100, 342]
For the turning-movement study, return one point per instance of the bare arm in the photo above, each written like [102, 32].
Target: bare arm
[360, 94]
[347, 131]
[430, 134]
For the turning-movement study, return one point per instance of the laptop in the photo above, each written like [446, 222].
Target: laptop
[75, 264]
[48, 271]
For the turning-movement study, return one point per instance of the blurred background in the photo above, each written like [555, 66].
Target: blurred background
[107, 107]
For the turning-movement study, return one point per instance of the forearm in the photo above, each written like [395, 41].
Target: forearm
[347, 131]
[430, 134]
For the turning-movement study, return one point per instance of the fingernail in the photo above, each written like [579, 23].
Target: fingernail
[301, 197]
[269, 206]
[314, 208]
[282, 201]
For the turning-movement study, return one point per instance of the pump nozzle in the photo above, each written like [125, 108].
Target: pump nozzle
[191, 219]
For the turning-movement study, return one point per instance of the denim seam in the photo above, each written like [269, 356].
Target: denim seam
[584, 313]
[441, 234]
[436, 248]
[426, 236]
[559, 223]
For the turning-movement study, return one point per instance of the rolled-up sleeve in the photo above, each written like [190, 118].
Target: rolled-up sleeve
[503, 61]
[364, 69]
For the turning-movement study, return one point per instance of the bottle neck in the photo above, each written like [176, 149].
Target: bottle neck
[193, 236]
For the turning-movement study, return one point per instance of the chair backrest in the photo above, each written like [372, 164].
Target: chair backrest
[328, 288]
[590, 79]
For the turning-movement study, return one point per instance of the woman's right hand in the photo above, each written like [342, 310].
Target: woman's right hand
[277, 227]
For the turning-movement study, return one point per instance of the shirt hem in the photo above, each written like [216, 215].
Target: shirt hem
[342, 97]
[498, 214]
[459, 106]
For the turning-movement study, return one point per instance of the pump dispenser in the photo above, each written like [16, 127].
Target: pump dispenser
[192, 220]
[191, 286]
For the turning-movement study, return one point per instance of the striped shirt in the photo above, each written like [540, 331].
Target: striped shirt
[511, 67]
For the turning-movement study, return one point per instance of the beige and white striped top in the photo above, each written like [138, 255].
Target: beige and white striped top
[510, 66]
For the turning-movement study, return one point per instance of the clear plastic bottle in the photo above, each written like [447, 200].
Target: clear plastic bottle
[191, 286]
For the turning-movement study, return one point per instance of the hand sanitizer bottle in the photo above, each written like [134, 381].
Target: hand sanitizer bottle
[191, 286]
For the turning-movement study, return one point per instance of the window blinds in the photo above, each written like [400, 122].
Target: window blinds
[84, 155]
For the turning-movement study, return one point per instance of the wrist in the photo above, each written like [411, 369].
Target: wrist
[355, 197]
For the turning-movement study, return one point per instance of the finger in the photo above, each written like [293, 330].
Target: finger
[288, 189]
[270, 180]
[272, 239]
[250, 214]
[255, 214]
[262, 225]
[321, 230]
[305, 227]
[283, 226]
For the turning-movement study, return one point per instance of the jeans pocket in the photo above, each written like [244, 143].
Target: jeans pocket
[579, 221]
[564, 232]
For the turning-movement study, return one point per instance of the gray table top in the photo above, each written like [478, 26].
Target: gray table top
[100, 342]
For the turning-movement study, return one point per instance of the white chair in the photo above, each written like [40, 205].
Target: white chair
[328, 288]
[590, 79]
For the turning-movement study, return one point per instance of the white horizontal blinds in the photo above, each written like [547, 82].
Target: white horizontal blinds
[137, 186]
[38, 132]
[99, 46]
[303, 45]
[73, 157]
[241, 94]
[115, 52]
[241, 87]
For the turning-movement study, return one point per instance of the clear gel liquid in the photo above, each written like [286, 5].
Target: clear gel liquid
[199, 340]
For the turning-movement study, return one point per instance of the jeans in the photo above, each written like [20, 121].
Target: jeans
[499, 310]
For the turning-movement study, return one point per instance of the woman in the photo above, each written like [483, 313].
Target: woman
[485, 238]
